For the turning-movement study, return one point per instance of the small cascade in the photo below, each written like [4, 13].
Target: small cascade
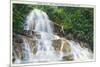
[27, 53]
[79, 53]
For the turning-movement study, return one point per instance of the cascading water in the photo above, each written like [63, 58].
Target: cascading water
[79, 53]
[37, 21]
[44, 27]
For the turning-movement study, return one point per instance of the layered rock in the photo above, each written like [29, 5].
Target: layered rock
[58, 44]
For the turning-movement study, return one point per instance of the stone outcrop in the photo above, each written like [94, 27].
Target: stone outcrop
[59, 30]
[58, 44]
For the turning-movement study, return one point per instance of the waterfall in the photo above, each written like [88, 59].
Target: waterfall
[42, 31]
[44, 27]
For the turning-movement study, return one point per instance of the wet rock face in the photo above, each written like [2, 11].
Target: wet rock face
[59, 45]
[32, 44]
[17, 38]
[17, 47]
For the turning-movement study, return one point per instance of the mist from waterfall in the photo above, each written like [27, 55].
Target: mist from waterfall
[38, 22]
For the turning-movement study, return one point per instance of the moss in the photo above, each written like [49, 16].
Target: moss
[68, 58]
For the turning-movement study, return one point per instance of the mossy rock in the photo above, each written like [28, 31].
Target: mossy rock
[68, 58]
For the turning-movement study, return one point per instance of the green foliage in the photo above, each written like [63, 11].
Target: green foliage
[75, 20]
[19, 14]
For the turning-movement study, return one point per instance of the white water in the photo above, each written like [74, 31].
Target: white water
[79, 53]
[39, 22]
[44, 27]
